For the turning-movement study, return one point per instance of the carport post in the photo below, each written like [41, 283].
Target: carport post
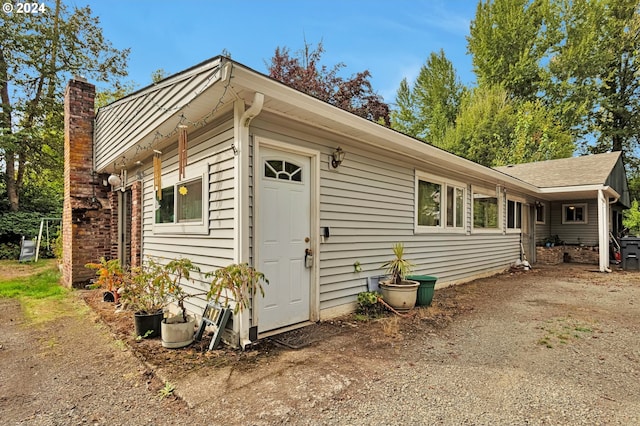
[603, 230]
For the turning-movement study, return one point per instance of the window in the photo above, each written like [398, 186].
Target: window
[164, 207]
[574, 213]
[428, 203]
[282, 170]
[183, 208]
[455, 205]
[439, 205]
[189, 201]
[540, 213]
[180, 203]
[486, 211]
[514, 214]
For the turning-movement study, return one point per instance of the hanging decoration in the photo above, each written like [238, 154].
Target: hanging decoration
[157, 173]
[182, 150]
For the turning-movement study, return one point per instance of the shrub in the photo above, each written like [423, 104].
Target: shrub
[369, 305]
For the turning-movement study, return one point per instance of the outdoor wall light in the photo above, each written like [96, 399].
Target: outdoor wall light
[114, 180]
[338, 157]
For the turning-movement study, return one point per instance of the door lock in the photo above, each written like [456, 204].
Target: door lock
[308, 258]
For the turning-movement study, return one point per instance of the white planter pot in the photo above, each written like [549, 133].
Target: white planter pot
[401, 297]
[177, 334]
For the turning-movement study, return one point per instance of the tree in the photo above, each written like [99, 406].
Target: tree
[632, 218]
[493, 130]
[119, 89]
[578, 57]
[432, 105]
[304, 73]
[483, 126]
[508, 41]
[600, 57]
[38, 54]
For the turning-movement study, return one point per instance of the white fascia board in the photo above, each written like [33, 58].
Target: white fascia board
[580, 188]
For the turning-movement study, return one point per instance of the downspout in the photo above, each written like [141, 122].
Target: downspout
[253, 111]
[242, 200]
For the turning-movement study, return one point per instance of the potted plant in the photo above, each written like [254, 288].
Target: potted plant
[237, 282]
[110, 278]
[178, 331]
[145, 292]
[397, 291]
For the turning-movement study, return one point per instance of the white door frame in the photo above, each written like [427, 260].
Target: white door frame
[314, 157]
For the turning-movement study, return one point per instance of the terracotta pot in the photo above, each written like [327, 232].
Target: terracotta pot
[401, 297]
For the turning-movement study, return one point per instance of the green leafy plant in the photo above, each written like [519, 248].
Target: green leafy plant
[166, 391]
[238, 282]
[145, 289]
[369, 304]
[399, 267]
[632, 218]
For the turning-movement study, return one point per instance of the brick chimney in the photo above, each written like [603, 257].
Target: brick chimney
[86, 218]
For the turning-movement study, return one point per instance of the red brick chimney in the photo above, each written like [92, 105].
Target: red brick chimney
[86, 218]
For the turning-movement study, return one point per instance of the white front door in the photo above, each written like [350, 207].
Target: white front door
[284, 220]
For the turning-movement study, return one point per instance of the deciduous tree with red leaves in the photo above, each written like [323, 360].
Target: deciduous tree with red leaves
[305, 73]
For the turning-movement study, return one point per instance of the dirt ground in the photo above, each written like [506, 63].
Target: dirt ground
[568, 321]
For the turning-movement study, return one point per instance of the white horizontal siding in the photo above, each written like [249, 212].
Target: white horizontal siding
[211, 251]
[575, 233]
[368, 204]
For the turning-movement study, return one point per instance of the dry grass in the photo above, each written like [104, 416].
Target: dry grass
[391, 326]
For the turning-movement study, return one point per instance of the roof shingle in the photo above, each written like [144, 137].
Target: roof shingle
[574, 171]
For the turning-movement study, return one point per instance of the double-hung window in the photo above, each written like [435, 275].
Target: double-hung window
[439, 204]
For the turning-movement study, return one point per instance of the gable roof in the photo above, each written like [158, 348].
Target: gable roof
[574, 171]
[604, 170]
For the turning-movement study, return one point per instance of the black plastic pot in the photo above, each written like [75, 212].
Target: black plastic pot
[108, 296]
[148, 325]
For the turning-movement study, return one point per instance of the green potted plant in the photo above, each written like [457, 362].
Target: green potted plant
[397, 291]
[237, 282]
[178, 331]
[110, 278]
[145, 292]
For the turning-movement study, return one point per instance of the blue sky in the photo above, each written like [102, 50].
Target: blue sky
[391, 38]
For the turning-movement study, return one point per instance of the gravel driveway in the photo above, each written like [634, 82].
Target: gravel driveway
[551, 346]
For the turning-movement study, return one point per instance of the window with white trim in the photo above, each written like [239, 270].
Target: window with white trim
[574, 213]
[514, 214]
[486, 210]
[439, 204]
[183, 208]
[180, 203]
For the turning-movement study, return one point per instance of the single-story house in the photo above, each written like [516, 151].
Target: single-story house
[311, 195]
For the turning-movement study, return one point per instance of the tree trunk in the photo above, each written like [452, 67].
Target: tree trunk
[6, 124]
